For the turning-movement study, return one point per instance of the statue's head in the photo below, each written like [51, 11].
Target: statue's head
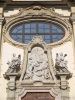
[61, 54]
[14, 55]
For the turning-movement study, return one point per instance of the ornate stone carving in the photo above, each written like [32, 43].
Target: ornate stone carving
[37, 66]
[14, 64]
[61, 63]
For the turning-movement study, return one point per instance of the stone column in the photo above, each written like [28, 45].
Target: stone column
[1, 24]
[73, 23]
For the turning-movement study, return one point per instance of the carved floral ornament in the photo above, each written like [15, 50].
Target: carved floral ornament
[40, 14]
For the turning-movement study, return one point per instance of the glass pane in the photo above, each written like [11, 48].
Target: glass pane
[27, 36]
[60, 30]
[54, 27]
[55, 40]
[27, 25]
[40, 25]
[14, 30]
[19, 40]
[55, 36]
[47, 41]
[60, 37]
[26, 41]
[33, 30]
[14, 37]
[19, 36]
[19, 31]
[47, 36]
[47, 25]
[27, 30]
[47, 30]
[41, 31]
[19, 27]
[54, 31]
[33, 25]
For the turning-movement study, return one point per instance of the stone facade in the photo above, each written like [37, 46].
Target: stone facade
[34, 69]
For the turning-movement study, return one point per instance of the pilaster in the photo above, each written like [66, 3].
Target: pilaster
[73, 23]
[1, 25]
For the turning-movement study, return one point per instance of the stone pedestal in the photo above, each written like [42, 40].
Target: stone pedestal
[11, 86]
[64, 76]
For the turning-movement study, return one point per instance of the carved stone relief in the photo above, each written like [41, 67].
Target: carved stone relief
[37, 66]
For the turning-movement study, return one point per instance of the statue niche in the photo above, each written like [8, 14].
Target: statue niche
[37, 66]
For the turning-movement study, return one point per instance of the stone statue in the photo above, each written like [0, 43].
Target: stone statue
[37, 66]
[60, 62]
[14, 65]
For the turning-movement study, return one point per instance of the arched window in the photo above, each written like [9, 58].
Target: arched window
[49, 32]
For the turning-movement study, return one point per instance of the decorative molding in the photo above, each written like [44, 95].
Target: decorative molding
[24, 91]
[40, 14]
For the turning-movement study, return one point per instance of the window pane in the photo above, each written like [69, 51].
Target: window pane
[19, 31]
[33, 30]
[47, 25]
[41, 30]
[55, 40]
[27, 25]
[60, 37]
[47, 36]
[14, 37]
[47, 41]
[40, 25]
[54, 31]
[60, 30]
[33, 25]
[19, 27]
[26, 41]
[27, 36]
[27, 30]
[55, 36]
[47, 30]
[19, 40]
[54, 27]
[19, 36]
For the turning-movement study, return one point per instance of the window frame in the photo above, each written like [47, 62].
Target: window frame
[51, 23]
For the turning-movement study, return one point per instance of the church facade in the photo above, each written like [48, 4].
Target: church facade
[37, 50]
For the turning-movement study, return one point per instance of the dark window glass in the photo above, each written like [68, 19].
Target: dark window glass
[49, 32]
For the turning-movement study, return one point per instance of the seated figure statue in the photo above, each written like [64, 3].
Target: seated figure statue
[60, 62]
[14, 65]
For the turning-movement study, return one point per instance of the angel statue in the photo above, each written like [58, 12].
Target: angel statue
[14, 64]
